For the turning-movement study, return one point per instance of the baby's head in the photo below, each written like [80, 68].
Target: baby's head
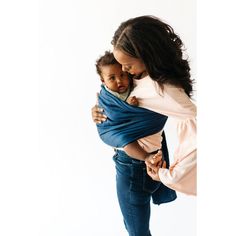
[111, 74]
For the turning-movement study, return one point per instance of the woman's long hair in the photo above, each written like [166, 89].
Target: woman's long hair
[160, 49]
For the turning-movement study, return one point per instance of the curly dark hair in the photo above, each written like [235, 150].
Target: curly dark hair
[159, 48]
[105, 60]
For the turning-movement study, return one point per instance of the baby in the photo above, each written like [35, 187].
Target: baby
[118, 83]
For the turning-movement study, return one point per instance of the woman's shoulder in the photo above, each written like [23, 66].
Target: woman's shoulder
[163, 90]
[175, 98]
[178, 98]
[167, 99]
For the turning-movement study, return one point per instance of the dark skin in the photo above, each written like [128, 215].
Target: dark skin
[153, 166]
[97, 114]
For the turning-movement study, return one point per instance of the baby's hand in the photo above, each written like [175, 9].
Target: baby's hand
[132, 101]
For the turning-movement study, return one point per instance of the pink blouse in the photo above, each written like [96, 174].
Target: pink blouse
[174, 103]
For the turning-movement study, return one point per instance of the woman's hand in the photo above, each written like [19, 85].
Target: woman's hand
[97, 115]
[154, 163]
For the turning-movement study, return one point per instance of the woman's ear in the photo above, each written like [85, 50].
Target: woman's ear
[102, 80]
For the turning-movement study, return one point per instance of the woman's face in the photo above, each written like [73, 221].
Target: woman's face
[130, 64]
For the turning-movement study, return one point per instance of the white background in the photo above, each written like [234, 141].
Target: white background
[56, 176]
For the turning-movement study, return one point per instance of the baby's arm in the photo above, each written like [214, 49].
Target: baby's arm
[132, 101]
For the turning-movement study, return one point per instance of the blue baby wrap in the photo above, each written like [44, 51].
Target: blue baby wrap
[126, 123]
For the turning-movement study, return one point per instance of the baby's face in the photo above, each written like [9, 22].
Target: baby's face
[114, 78]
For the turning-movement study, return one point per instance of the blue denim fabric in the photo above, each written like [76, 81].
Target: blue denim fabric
[134, 191]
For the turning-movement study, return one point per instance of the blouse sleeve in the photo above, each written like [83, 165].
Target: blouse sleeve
[181, 175]
[174, 103]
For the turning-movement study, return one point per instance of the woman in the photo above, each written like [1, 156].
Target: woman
[149, 49]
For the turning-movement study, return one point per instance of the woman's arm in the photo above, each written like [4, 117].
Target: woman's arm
[181, 175]
[174, 103]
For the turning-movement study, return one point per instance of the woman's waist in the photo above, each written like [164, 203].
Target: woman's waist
[121, 155]
[152, 142]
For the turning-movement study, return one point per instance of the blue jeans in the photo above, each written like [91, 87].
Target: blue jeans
[134, 191]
